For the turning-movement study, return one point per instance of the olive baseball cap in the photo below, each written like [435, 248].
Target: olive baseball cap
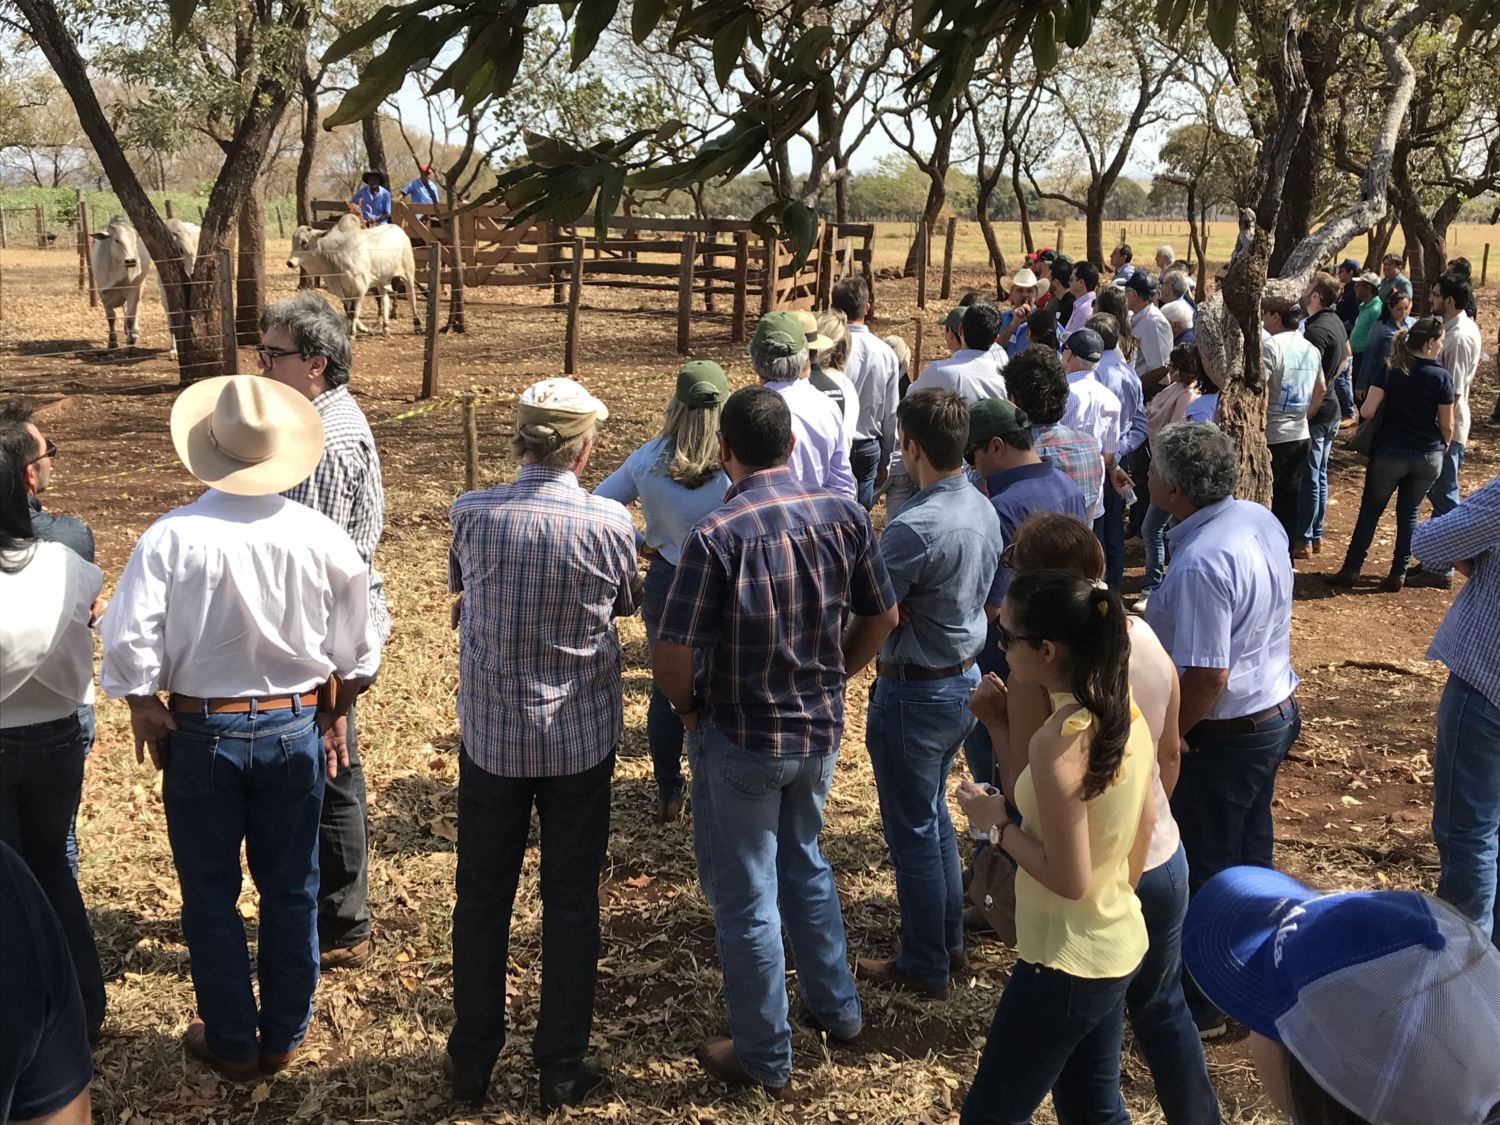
[779, 334]
[995, 418]
[954, 321]
[701, 383]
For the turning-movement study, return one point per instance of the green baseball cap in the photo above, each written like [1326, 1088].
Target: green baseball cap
[701, 383]
[780, 334]
[954, 321]
[995, 418]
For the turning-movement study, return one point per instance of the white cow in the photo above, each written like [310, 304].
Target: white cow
[185, 235]
[120, 267]
[353, 259]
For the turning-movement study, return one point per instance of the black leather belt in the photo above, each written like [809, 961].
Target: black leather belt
[1245, 724]
[909, 672]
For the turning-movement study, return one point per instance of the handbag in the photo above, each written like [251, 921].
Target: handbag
[992, 890]
[1363, 439]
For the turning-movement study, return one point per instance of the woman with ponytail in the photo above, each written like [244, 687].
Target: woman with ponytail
[1416, 392]
[1085, 826]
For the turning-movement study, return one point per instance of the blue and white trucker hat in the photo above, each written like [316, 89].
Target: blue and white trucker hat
[1389, 999]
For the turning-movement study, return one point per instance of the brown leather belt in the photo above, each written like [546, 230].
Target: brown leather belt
[910, 672]
[187, 704]
[1245, 724]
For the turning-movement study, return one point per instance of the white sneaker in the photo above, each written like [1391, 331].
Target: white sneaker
[1140, 603]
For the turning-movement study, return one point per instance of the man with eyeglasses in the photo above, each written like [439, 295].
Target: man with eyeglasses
[305, 345]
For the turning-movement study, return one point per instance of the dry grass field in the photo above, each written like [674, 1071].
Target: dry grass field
[1352, 808]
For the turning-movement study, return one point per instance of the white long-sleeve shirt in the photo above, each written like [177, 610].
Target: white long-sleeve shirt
[239, 597]
[876, 374]
[46, 651]
[820, 453]
[1460, 355]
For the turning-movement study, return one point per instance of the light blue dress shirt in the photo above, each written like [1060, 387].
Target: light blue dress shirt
[941, 550]
[1116, 374]
[820, 455]
[670, 509]
[1226, 602]
[418, 192]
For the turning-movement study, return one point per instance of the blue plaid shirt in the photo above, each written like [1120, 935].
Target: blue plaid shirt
[1468, 641]
[766, 584]
[544, 569]
[1078, 454]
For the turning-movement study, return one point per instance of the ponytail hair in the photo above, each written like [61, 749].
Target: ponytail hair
[1409, 341]
[1089, 618]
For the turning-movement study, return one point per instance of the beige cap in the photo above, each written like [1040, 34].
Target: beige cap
[247, 435]
[561, 405]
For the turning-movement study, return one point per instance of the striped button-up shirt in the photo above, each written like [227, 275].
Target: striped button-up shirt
[1467, 641]
[1079, 455]
[1093, 408]
[766, 585]
[544, 569]
[346, 487]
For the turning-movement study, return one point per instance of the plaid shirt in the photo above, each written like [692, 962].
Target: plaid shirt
[1467, 640]
[1077, 454]
[766, 584]
[346, 487]
[544, 569]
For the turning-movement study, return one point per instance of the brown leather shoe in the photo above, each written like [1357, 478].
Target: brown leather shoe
[1392, 583]
[883, 973]
[1317, 546]
[669, 810]
[273, 1061]
[719, 1061]
[195, 1043]
[355, 956]
[1344, 579]
[1301, 551]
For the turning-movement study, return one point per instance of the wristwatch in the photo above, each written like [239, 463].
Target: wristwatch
[679, 712]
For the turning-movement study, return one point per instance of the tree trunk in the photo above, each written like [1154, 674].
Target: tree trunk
[1027, 244]
[308, 82]
[1093, 216]
[937, 194]
[841, 199]
[992, 243]
[1378, 240]
[250, 270]
[374, 144]
[1320, 47]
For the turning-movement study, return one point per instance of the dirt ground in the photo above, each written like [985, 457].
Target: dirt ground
[1352, 808]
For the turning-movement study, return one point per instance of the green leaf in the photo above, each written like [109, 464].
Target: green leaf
[593, 18]
[666, 131]
[808, 49]
[388, 19]
[1221, 20]
[1079, 21]
[1044, 41]
[609, 198]
[729, 41]
[551, 152]
[800, 224]
[644, 16]
[922, 12]
[182, 13]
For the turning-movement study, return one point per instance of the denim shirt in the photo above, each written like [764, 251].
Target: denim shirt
[941, 550]
[670, 509]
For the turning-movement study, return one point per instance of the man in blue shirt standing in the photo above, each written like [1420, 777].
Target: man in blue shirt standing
[422, 189]
[373, 198]
[941, 551]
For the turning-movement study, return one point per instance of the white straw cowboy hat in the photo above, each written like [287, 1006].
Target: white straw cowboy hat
[247, 435]
[816, 341]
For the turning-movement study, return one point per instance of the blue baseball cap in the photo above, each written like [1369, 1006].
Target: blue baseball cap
[1389, 999]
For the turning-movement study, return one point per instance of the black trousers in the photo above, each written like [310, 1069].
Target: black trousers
[1288, 471]
[494, 818]
[344, 855]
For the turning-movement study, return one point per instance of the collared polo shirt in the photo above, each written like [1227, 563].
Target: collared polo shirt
[1226, 602]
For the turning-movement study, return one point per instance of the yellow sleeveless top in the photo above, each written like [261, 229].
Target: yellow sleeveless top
[1102, 935]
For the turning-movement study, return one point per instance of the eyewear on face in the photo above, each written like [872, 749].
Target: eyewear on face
[49, 452]
[1007, 639]
[1008, 556]
[269, 356]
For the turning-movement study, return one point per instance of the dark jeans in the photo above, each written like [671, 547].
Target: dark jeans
[344, 855]
[1444, 493]
[1157, 1006]
[1466, 804]
[663, 727]
[1056, 1032]
[41, 777]
[256, 779]
[864, 462]
[1138, 465]
[1110, 531]
[1222, 805]
[494, 818]
[86, 724]
[1409, 476]
[1288, 473]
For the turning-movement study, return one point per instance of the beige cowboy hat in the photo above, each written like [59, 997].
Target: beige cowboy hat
[816, 341]
[247, 435]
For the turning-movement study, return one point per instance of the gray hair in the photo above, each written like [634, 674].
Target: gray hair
[548, 449]
[1178, 282]
[1178, 315]
[1198, 458]
[315, 329]
[1165, 251]
[778, 368]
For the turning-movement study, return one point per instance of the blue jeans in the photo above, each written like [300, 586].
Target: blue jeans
[41, 777]
[1056, 1032]
[864, 463]
[1466, 804]
[1222, 805]
[913, 733]
[1343, 387]
[756, 821]
[1312, 506]
[1110, 531]
[85, 724]
[1157, 1006]
[1154, 538]
[1409, 476]
[663, 727]
[1444, 491]
[257, 779]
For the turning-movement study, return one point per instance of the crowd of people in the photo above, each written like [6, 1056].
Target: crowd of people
[1119, 767]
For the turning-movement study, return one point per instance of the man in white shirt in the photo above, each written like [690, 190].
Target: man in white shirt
[875, 372]
[244, 607]
[780, 357]
[1153, 335]
[1451, 295]
[1096, 410]
[1295, 388]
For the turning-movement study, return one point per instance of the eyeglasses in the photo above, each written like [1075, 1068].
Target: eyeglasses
[1008, 556]
[49, 452]
[1007, 638]
[268, 356]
